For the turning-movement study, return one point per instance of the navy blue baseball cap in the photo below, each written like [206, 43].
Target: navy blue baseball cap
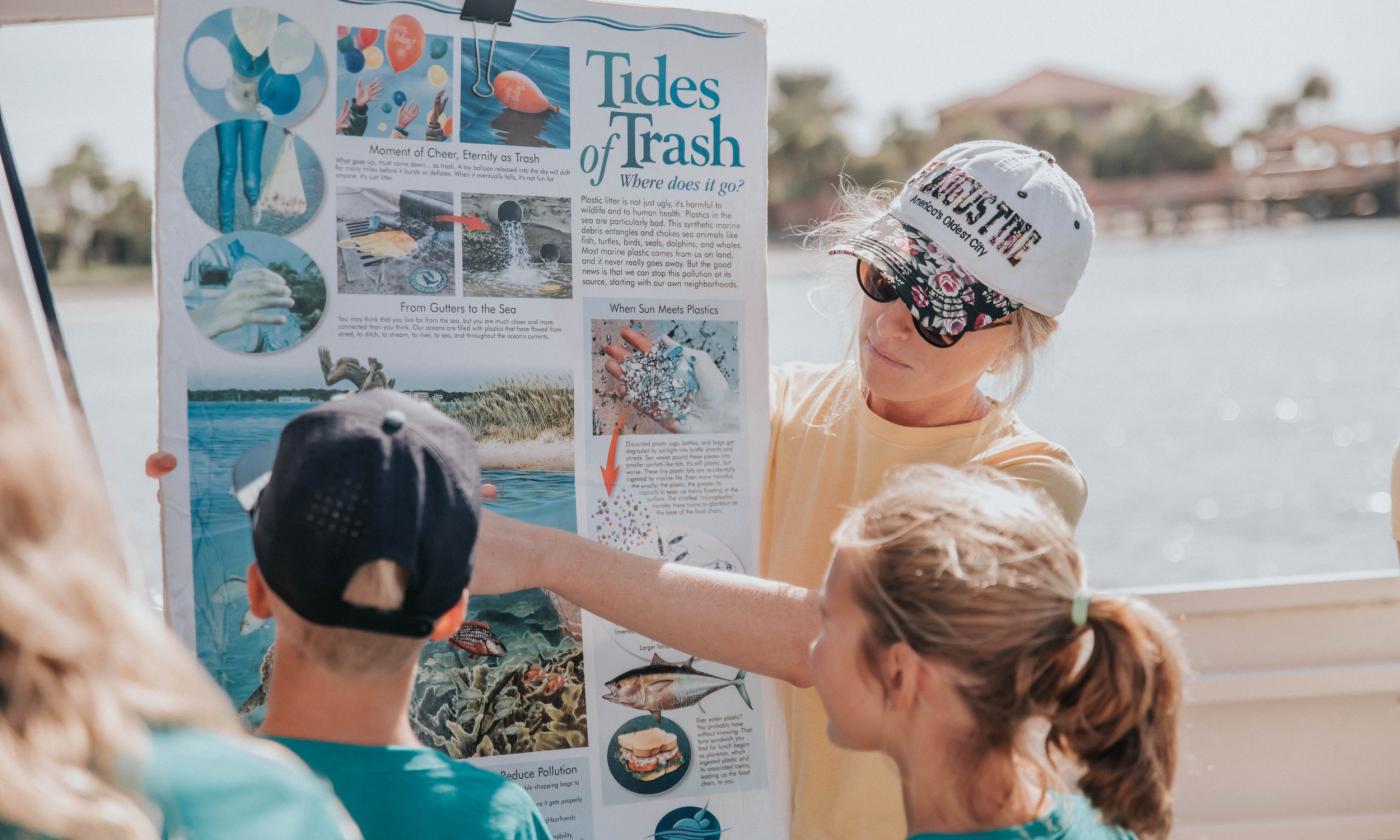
[376, 475]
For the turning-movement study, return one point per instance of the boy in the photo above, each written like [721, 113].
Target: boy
[362, 532]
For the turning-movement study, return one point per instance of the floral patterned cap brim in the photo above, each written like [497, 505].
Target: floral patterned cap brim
[940, 294]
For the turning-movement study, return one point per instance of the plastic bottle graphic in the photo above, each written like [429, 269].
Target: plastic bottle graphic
[263, 337]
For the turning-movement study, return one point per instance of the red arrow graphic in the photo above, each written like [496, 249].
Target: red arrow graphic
[611, 471]
[470, 222]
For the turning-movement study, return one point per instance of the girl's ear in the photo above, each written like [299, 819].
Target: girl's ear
[901, 669]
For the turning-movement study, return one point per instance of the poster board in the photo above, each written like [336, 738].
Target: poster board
[518, 227]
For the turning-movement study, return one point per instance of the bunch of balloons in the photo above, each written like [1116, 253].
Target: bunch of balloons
[259, 64]
[403, 45]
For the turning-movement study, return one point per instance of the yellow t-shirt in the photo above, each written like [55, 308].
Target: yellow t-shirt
[829, 451]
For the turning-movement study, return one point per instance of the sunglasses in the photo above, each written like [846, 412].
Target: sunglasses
[878, 288]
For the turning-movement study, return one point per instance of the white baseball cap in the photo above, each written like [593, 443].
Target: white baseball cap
[985, 227]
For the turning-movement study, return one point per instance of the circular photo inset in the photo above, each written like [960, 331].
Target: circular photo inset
[250, 62]
[254, 292]
[690, 546]
[649, 756]
[246, 175]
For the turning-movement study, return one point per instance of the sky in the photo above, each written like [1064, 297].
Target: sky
[68, 81]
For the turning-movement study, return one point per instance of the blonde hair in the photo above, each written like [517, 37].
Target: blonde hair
[975, 572]
[379, 584]
[856, 209]
[86, 670]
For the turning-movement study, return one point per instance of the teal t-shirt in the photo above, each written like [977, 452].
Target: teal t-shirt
[394, 792]
[200, 785]
[1070, 818]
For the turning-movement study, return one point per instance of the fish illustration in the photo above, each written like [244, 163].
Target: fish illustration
[663, 685]
[477, 638]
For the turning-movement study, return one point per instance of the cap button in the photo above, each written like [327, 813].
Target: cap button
[394, 420]
[1047, 157]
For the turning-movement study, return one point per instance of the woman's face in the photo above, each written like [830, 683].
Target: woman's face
[898, 366]
[849, 688]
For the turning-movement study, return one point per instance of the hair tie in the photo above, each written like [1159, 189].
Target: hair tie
[1079, 608]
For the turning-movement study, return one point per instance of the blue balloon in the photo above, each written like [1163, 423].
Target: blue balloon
[399, 98]
[438, 48]
[279, 93]
[354, 61]
[243, 63]
[386, 107]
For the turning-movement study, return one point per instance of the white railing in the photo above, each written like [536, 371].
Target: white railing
[1292, 723]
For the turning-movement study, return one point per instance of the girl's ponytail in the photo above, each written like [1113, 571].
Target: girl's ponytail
[1118, 714]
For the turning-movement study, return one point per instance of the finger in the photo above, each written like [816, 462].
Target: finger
[159, 464]
[269, 299]
[614, 369]
[615, 352]
[264, 318]
[489, 493]
[636, 339]
[671, 426]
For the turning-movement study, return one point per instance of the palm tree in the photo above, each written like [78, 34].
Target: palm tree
[806, 146]
[85, 190]
[1203, 105]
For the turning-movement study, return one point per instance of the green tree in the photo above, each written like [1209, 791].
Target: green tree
[1317, 88]
[904, 149]
[1056, 131]
[124, 231]
[806, 147]
[1156, 140]
[1202, 105]
[84, 190]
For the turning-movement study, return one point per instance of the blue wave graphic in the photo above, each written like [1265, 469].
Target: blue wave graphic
[447, 8]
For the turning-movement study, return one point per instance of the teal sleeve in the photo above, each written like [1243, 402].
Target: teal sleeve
[537, 830]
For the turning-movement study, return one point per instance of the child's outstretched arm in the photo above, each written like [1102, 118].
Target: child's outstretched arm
[747, 622]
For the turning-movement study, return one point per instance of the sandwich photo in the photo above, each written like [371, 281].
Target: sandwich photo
[649, 754]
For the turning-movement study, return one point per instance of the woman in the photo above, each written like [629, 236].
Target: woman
[108, 726]
[963, 274]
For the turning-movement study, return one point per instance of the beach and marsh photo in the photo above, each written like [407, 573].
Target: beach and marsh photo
[511, 679]
[662, 376]
[248, 62]
[517, 246]
[245, 175]
[514, 94]
[393, 82]
[394, 243]
[254, 292]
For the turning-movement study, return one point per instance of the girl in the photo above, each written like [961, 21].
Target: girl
[958, 639]
[108, 727]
